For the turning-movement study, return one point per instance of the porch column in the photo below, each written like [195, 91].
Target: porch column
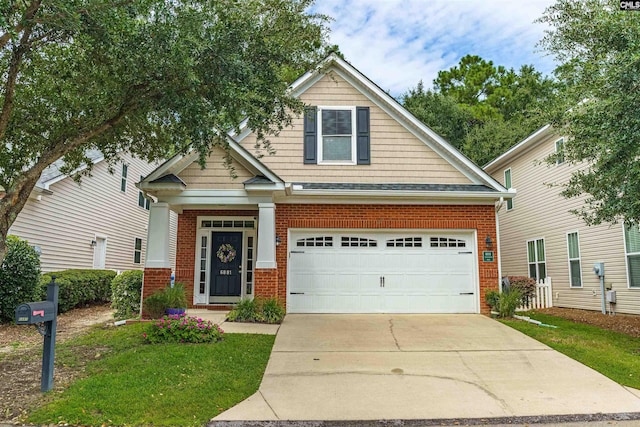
[157, 254]
[266, 236]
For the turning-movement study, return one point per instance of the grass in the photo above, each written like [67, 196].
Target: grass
[613, 354]
[133, 383]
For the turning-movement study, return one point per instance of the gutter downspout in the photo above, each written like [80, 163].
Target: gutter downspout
[498, 207]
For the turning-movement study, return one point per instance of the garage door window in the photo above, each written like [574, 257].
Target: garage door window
[405, 242]
[358, 242]
[326, 241]
[447, 242]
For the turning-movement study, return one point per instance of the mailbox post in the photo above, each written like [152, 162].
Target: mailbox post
[45, 312]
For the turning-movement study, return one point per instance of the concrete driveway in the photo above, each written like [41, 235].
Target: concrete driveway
[367, 367]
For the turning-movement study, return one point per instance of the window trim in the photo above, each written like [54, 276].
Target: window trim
[509, 202]
[626, 259]
[537, 262]
[135, 250]
[569, 259]
[559, 160]
[354, 147]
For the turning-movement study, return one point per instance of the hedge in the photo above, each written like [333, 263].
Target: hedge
[19, 276]
[79, 287]
[126, 289]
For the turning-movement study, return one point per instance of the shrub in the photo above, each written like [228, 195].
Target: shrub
[156, 303]
[182, 329]
[79, 287]
[505, 303]
[272, 311]
[126, 291]
[492, 299]
[19, 277]
[509, 302]
[257, 310]
[525, 285]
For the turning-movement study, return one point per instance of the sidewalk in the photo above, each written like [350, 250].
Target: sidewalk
[219, 318]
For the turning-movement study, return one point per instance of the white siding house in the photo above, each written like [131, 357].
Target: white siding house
[100, 223]
[539, 236]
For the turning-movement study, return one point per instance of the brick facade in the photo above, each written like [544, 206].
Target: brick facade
[470, 217]
[273, 282]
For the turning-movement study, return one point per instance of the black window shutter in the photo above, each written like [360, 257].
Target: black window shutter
[362, 135]
[310, 136]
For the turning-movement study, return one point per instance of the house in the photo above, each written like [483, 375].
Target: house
[363, 209]
[540, 237]
[100, 223]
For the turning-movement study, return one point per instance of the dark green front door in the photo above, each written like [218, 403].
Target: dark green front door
[226, 263]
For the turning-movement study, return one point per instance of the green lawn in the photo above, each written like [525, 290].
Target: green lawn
[133, 383]
[613, 354]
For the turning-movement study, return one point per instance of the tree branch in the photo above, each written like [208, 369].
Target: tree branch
[14, 68]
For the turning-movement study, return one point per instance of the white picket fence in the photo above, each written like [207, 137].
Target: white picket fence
[543, 297]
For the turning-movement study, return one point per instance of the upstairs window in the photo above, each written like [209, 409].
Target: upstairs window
[123, 179]
[507, 184]
[336, 135]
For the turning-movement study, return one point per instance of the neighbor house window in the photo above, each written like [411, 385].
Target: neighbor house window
[137, 251]
[632, 248]
[560, 151]
[143, 201]
[536, 259]
[337, 135]
[507, 184]
[123, 180]
[573, 248]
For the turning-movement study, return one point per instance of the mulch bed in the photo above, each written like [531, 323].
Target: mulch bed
[626, 323]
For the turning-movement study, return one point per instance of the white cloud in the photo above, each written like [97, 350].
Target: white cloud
[397, 43]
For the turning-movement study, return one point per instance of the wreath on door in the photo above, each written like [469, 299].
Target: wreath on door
[226, 253]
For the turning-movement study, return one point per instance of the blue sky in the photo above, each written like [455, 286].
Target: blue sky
[397, 43]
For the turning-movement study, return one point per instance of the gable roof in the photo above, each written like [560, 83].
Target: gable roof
[520, 148]
[372, 91]
[52, 173]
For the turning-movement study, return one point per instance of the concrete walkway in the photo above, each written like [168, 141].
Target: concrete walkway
[371, 367]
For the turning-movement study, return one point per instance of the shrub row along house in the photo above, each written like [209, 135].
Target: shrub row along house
[363, 209]
[100, 223]
[541, 238]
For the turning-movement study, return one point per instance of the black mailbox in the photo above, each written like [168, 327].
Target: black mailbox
[35, 312]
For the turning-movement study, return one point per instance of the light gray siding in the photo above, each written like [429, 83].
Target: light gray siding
[539, 211]
[64, 223]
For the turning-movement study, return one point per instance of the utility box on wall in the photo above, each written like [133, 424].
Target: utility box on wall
[611, 297]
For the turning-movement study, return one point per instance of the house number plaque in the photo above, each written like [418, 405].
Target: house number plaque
[225, 272]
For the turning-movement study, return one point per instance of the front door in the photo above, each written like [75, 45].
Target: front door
[226, 264]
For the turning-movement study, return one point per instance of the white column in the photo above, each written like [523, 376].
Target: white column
[157, 255]
[266, 236]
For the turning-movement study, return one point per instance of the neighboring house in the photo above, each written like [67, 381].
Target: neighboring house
[362, 209]
[100, 223]
[539, 237]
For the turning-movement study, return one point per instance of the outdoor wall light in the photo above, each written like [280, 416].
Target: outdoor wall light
[488, 242]
[93, 243]
[278, 241]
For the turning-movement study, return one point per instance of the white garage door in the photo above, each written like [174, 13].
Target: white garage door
[347, 272]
